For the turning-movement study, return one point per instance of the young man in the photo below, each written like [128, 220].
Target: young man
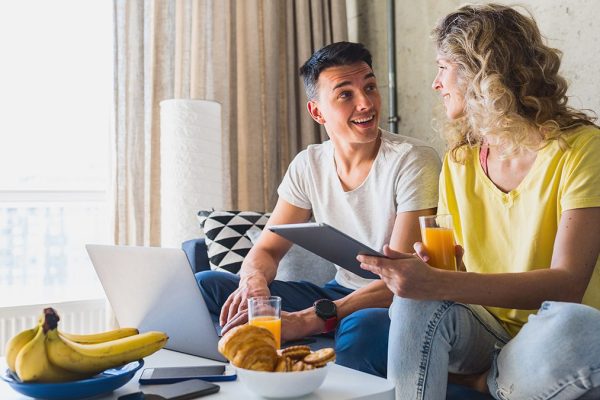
[368, 183]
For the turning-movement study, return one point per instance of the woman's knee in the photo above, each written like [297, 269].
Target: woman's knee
[557, 322]
[408, 311]
[561, 337]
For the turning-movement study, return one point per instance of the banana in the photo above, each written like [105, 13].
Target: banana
[32, 363]
[99, 337]
[93, 358]
[16, 343]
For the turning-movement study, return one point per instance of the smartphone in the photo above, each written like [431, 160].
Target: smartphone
[213, 373]
[184, 390]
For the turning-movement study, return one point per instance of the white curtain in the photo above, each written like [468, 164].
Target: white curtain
[244, 54]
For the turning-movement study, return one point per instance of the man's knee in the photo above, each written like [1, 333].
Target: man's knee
[362, 324]
[216, 287]
[361, 340]
[210, 279]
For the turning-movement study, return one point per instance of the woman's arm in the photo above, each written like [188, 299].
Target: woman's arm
[405, 233]
[576, 250]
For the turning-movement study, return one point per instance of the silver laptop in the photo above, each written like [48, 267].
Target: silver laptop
[153, 288]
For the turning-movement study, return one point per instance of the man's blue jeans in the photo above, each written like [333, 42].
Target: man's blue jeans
[361, 338]
[556, 355]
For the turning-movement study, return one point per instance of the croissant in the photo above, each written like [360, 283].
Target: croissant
[249, 347]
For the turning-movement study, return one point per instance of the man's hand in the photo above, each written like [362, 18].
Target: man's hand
[239, 319]
[294, 325]
[237, 302]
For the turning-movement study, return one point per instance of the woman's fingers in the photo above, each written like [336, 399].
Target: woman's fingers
[371, 260]
[373, 268]
[421, 252]
[377, 264]
[395, 255]
[459, 252]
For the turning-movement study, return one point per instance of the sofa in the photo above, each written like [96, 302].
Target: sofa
[196, 252]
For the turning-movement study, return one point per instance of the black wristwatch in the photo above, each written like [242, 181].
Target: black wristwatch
[327, 311]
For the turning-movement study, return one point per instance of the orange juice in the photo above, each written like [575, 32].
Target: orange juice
[439, 243]
[271, 323]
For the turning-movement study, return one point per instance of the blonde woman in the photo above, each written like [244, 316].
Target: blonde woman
[522, 182]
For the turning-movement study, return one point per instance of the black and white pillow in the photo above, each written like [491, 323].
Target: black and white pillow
[226, 238]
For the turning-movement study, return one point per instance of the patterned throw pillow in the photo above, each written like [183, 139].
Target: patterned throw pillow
[226, 238]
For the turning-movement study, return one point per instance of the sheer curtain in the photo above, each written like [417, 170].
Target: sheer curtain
[244, 54]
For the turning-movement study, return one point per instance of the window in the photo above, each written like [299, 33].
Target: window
[55, 97]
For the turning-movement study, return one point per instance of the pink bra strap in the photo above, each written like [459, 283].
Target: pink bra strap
[484, 151]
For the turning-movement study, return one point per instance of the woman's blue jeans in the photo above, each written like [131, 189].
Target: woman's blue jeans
[556, 355]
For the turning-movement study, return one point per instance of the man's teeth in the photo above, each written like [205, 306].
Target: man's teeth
[363, 120]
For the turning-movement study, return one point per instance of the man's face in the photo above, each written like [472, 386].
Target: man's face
[348, 103]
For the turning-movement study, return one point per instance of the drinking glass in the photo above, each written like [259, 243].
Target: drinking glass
[437, 233]
[265, 311]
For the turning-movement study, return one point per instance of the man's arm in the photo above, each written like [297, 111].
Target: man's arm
[375, 295]
[260, 265]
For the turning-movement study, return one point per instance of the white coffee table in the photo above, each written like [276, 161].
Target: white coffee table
[341, 383]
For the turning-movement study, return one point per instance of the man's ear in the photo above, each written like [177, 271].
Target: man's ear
[315, 113]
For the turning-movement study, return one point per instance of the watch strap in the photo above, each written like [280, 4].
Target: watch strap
[330, 324]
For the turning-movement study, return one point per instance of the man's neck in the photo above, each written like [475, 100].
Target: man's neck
[353, 162]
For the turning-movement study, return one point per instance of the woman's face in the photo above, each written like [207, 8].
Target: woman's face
[447, 83]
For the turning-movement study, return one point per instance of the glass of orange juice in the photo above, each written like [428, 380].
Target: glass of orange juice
[437, 233]
[265, 311]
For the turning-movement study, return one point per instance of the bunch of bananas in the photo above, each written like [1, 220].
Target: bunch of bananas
[45, 354]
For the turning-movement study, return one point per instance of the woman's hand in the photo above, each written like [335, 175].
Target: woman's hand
[406, 275]
[458, 252]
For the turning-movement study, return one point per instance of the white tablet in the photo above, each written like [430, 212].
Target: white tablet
[329, 243]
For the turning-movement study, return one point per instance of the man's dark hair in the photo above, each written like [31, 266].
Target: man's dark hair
[332, 55]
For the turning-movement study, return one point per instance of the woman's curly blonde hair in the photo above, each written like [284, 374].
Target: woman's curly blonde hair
[514, 95]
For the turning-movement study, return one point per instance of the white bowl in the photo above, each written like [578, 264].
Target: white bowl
[283, 384]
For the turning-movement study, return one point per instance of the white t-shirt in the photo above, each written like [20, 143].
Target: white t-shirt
[403, 177]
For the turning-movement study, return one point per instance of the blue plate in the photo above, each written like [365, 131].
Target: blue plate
[104, 382]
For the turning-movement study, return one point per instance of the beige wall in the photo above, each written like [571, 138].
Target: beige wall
[568, 26]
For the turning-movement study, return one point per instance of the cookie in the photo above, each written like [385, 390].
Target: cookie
[298, 366]
[296, 352]
[320, 357]
[281, 365]
[288, 363]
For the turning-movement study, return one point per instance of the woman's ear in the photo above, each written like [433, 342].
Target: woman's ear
[315, 113]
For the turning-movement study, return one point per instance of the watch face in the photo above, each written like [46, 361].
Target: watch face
[326, 308]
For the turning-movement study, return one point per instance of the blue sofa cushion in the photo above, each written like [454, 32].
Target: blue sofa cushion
[197, 254]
